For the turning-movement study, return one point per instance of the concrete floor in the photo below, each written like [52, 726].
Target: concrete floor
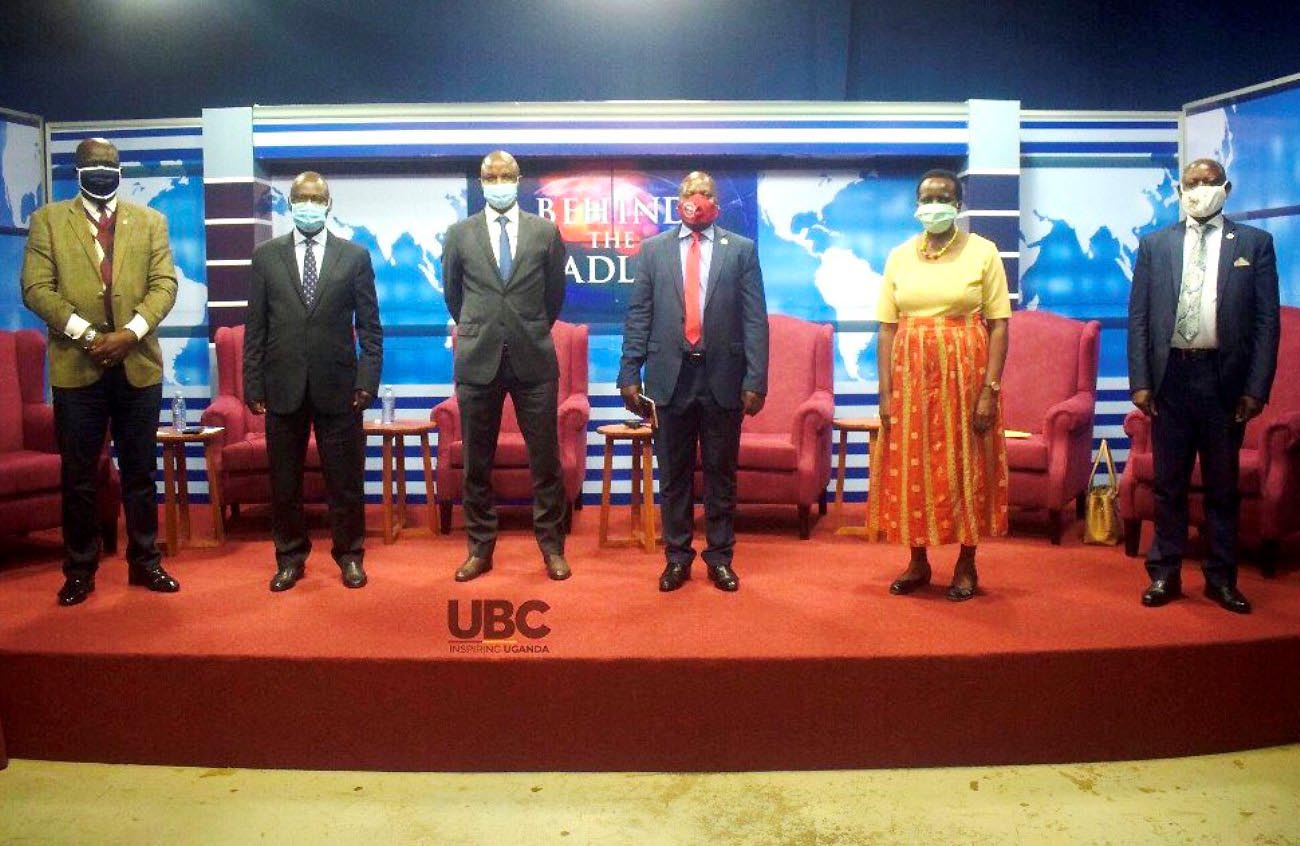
[1243, 798]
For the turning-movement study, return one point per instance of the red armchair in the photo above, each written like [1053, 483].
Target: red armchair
[785, 449]
[1269, 478]
[30, 487]
[1049, 389]
[242, 461]
[510, 476]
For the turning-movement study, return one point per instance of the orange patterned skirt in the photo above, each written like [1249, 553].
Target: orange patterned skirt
[933, 479]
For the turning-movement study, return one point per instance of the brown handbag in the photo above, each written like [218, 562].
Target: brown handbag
[1101, 523]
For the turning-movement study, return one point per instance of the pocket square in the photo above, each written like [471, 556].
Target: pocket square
[1241, 261]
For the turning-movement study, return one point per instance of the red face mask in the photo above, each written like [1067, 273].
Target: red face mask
[699, 212]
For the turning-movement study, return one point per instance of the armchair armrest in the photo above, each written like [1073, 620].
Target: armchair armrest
[38, 427]
[226, 411]
[811, 418]
[1138, 428]
[1069, 416]
[447, 415]
[1279, 437]
[574, 413]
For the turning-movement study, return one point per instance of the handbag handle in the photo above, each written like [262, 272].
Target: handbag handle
[1103, 451]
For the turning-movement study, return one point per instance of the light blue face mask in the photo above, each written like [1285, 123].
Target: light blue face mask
[309, 217]
[936, 217]
[501, 195]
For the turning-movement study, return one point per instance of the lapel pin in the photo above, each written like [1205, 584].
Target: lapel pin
[1230, 235]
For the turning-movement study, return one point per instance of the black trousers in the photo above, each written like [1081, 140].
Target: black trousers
[692, 417]
[82, 416]
[480, 422]
[341, 443]
[1193, 420]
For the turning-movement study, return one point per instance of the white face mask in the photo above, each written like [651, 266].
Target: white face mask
[1204, 200]
[936, 217]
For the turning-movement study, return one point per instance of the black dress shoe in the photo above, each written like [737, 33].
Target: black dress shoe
[1162, 592]
[75, 590]
[473, 567]
[286, 577]
[904, 586]
[961, 593]
[1229, 598]
[155, 579]
[674, 576]
[557, 568]
[724, 578]
[354, 575]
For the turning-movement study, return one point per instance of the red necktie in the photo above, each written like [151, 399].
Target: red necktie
[104, 235]
[694, 332]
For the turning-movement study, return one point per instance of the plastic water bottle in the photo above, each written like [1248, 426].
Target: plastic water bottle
[178, 410]
[388, 415]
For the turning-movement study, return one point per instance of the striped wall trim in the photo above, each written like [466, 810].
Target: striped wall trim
[229, 262]
[227, 303]
[237, 221]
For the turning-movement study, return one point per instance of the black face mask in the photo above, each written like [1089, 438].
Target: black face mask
[99, 182]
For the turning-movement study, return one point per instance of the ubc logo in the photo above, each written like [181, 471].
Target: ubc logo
[498, 619]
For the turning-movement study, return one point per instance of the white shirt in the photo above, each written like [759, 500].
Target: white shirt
[1207, 336]
[77, 325]
[494, 231]
[317, 250]
[706, 257]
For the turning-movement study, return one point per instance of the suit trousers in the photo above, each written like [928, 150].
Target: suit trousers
[1192, 420]
[690, 418]
[82, 417]
[341, 443]
[480, 420]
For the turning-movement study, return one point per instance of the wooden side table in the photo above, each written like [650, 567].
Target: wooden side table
[642, 531]
[394, 465]
[845, 425]
[176, 489]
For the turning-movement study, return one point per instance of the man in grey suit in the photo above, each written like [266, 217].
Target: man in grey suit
[1202, 350]
[503, 279]
[310, 291]
[697, 321]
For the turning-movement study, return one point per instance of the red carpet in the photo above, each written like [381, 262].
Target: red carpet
[811, 665]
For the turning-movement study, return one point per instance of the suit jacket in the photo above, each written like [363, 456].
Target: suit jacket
[1246, 319]
[734, 327]
[291, 351]
[491, 312]
[61, 276]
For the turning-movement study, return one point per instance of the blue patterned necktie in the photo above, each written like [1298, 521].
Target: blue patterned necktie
[504, 262]
[309, 274]
[1189, 299]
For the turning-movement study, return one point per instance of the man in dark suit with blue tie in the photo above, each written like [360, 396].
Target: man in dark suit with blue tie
[1202, 351]
[503, 280]
[697, 322]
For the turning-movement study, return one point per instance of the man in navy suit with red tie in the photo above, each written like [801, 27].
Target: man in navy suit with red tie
[1202, 351]
[697, 322]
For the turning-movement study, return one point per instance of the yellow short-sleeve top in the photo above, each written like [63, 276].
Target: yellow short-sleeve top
[968, 279]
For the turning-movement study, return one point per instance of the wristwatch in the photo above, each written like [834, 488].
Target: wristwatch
[88, 337]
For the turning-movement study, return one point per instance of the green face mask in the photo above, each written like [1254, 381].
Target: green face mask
[936, 217]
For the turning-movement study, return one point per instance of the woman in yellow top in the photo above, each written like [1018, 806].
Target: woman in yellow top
[939, 475]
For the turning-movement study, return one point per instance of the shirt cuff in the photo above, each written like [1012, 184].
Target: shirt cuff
[139, 326]
[76, 327]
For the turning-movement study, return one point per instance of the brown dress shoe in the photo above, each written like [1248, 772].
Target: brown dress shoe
[557, 568]
[473, 567]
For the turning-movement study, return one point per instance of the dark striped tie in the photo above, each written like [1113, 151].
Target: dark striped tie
[104, 227]
[309, 274]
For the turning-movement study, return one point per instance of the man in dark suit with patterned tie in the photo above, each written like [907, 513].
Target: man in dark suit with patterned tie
[98, 270]
[310, 293]
[1202, 351]
[503, 279]
[697, 322]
